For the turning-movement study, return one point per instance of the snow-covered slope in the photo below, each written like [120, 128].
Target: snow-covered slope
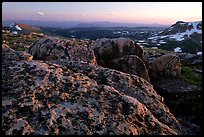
[180, 31]
[19, 28]
[14, 27]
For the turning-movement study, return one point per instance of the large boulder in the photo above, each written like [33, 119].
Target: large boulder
[166, 65]
[109, 49]
[131, 64]
[55, 48]
[64, 97]
[122, 54]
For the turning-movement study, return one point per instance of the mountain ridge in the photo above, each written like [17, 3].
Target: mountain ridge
[70, 24]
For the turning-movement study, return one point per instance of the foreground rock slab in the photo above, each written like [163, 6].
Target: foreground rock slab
[65, 97]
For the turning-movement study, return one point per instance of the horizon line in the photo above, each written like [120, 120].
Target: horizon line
[88, 21]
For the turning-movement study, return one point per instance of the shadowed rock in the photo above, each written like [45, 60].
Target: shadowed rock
[109, 49]
[121, 54]
[131, 64]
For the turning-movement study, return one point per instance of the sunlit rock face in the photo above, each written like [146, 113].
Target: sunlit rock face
[166, 65]
[55, 48]
[64, 97]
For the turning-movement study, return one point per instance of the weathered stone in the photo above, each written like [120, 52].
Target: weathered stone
[10, 54]
[166, 65]
[55, 48]
[65, 97]
[108, 49]
[131, 64]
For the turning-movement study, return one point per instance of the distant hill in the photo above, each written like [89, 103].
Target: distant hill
[181, 31]
[185, 36]
[80, 24]
[19, 28]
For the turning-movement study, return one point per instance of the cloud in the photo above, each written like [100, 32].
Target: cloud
[40, 13]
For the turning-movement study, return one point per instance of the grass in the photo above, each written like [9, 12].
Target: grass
[189, 75]
[157, 50]
[21, 42]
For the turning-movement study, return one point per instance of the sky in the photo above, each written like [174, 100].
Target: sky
[125, 12]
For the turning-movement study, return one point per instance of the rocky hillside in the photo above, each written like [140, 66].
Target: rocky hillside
[19, 28]
[68, 87]
[182, 30]
[181, 36]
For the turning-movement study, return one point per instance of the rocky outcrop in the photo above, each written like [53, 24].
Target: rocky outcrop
[9, 54]
[109, 49]
[64, 97]
[131, 64]
[54, 48]
[166, 65]
[121, 54]
[184, 100]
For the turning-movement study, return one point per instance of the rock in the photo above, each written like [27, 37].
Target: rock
[190, 59]
[166, 65]
[64, 97]
[121, 54]
[131, 64]
[54, 48]
[10, 54]
[183, 100]
[109, 49]
[128, 86]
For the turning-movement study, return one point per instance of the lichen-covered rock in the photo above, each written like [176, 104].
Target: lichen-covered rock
[131, 64]
[55, 48]
[65, 97]
[166, 65]
[9, 54]
[109, 49]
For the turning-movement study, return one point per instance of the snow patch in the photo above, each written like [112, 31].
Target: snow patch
[18, 28]
[154, 47]
[177, 49]
[162, 42]
[199, 53]
[15, 32]
[140, 40]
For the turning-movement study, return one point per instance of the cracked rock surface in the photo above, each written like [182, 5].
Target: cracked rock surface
[66, 96]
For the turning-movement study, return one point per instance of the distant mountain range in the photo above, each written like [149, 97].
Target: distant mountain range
[75, 24]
